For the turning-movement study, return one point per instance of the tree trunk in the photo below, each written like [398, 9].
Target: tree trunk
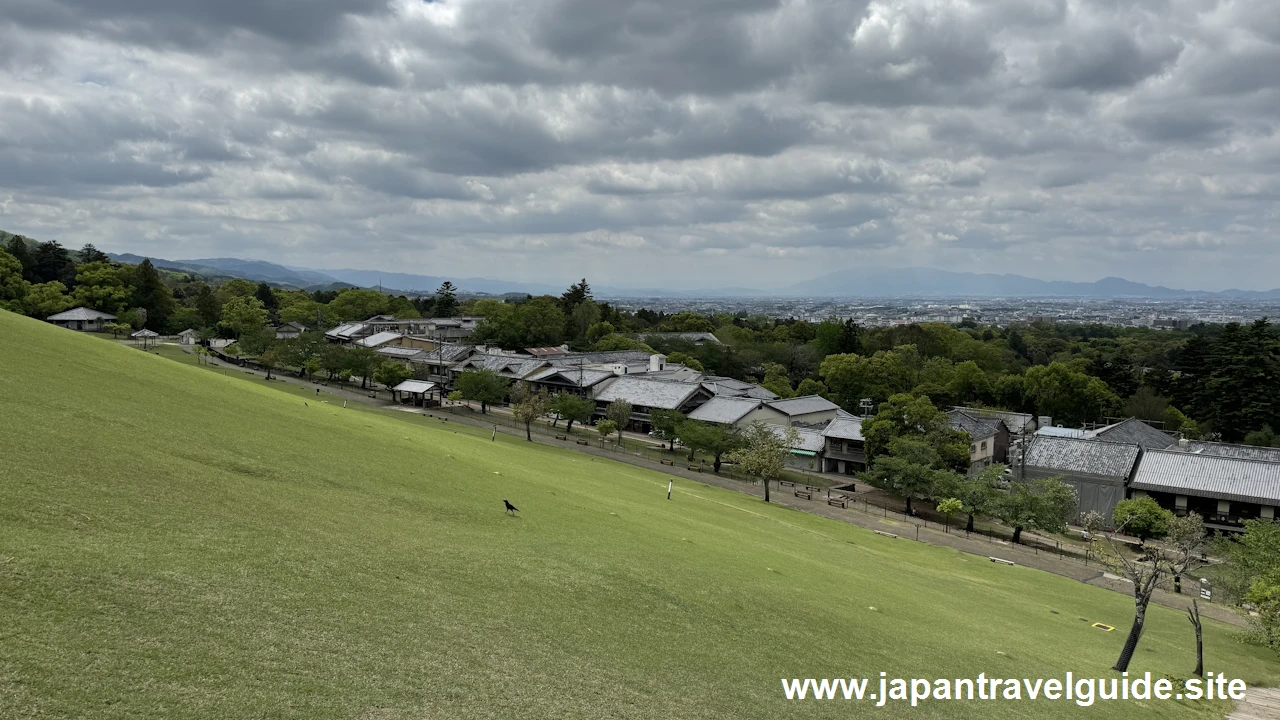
[568, 428]
[484, 408]
[1194, 616]
[1017, 535]
[1135, 632]
[908, 510]
[766, 489]
[528, 432]
[969, 526]
[715, 465]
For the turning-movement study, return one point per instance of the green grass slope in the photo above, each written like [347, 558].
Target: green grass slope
[179, 543]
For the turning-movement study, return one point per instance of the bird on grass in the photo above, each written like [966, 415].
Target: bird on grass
[510, 508]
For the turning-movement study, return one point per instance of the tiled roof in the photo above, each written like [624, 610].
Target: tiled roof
[977, 427]
[693, 337]
[575, 377]
[643, 392]
[415, 386]
[81, 313]
[810, 440]
[803, 405]
[844, 428]
[1015, 421]
[1095, 457]
[1137, 432]
[1052, 431]
[724, 410]
[403, 353]
[611, 356]
[346, 331]
[543, 352]
[506, 365]
[377, 339]
[718, 385]
[1215, 476]
[1245, 452]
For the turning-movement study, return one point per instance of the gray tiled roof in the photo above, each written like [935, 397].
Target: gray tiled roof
[977, 427]
[845, 428]
[803, 405]
[725, 410]
[643, 392]
[1137, 432]
[611, 356]
[346, 330]
[377, 339]
[810, 440]
[1246, 452]
[719, 385]
[81, 313]
[693, 337]
[403, 353]
[505, 365]
[1215, 476]
[1015, 421]
[575, 377]
[1095, 457]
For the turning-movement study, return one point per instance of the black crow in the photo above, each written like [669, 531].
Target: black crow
[510, 508]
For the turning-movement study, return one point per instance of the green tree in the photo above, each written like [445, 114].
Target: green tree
[257, 341]
[611, 343]
[577, 294]
[948, 507]
[665, 424]
[333, 359]
[364, 362]
[572, 409]
[763, 452]
[269, 360]
[809, 386]
[619, 411]
[1040, 505]
[483, 386]
[244, 315]
[970, 384]
[265, 296]
[102, 286]
[529, 406]
[542, 322]
[599, 330]
[1250, 557]
[680, 358]
[45, 299]
[310, 314]
[13, 288]
[687, 322]
[208, 306]
[53, 263]
[1065, 392]
[908, 468]
[1142, 518]
[606, 428]
[446, 303]
[904, 415]
[17, 247]
[391, 374]
[713, 439]
[182, 319]
[116, 328]
[978, 493]
[359, 304]
[776, 381]
[1266, 437]
[581, 319]
[151, 294]
[91, 254]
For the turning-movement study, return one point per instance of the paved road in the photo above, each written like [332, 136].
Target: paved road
[981, 546]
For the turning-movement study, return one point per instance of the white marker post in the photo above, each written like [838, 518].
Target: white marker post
[669, 481]
[495, 434]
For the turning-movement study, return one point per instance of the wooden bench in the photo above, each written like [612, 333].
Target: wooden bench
[562, 437]
[696, 468]
[1002, 561]
[841, 502]
[583, 442]
[881, 532]
[813, 489]
[786, 484]
[667, 462]
[804, 494]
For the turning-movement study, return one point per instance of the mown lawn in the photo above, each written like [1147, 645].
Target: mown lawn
[175, 542]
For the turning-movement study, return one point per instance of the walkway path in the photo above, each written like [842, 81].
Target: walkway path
[1258, 704]
[981, 546]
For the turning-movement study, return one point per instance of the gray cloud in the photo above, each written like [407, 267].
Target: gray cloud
[770, 140]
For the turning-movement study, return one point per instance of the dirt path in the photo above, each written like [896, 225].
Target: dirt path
[1258, 704]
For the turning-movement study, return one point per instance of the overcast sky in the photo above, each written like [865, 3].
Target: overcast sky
[660, 143]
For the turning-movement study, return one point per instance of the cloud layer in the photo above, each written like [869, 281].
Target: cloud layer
[657, 142]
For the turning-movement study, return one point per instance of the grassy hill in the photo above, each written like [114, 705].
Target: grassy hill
[175, 542]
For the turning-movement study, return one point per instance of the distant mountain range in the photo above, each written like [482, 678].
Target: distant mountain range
[861, 282]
